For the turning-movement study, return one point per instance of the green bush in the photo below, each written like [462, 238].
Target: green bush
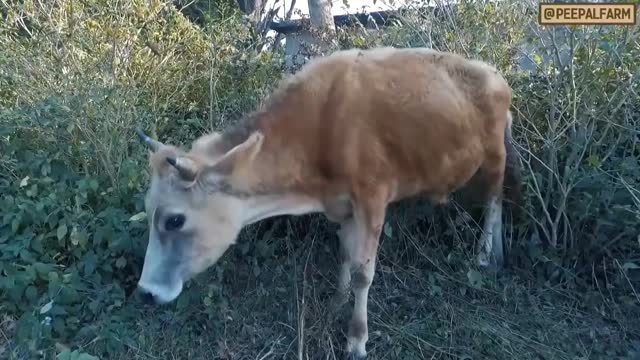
[112, 67]
[75, 80]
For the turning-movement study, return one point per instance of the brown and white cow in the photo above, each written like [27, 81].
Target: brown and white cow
[347, 135]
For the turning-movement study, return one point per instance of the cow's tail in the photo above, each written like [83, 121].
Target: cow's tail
[512, 175]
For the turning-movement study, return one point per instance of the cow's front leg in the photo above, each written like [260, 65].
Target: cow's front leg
[362, 246]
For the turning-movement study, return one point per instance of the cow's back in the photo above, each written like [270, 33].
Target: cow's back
[418, 120]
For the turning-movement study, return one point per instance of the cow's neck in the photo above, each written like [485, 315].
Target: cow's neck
[277, 182]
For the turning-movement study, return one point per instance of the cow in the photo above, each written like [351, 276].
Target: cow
[348, 134]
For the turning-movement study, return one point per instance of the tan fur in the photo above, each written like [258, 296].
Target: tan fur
[412, 121]
[349, 134]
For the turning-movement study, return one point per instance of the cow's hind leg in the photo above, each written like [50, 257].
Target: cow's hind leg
[490, 247]
[490, 252]
[498, 246]
[339, 210]
[346, 233]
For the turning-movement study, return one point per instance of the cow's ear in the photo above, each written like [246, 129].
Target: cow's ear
[239, 156]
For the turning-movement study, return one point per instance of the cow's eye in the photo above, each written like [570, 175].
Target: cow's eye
[174, 222]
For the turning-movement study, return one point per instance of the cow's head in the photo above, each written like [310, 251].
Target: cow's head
[194, 212]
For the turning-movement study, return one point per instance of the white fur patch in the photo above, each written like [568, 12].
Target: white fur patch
[161, 293]
[266, 206]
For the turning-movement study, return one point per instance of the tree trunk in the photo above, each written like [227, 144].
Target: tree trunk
[320, 15]
[317, 37]
[323, 28]
[249, 6]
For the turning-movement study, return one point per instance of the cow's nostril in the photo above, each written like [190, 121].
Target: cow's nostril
[147, 298]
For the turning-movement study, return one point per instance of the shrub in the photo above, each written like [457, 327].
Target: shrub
[75, 79]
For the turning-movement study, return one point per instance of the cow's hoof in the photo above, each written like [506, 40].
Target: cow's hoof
[355, 356]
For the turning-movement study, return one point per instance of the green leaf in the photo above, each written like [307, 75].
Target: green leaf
[85, 356]
[387, 230]
[65, 355]
[15, 292]
[24, 182]
[83, 238]
[139, 216]
[15, 224]
[33, 190]
[630, 266]
[62, 231]
[183, 302]
[74, 236]
[537, 59]
[98, 235]
[121, 262]
[79, 237]
[36, 244]
[90, 263]
[42, 270]
[68, 296]
[593, 161]
[93, 184]
[476, 279]
[45, 309]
